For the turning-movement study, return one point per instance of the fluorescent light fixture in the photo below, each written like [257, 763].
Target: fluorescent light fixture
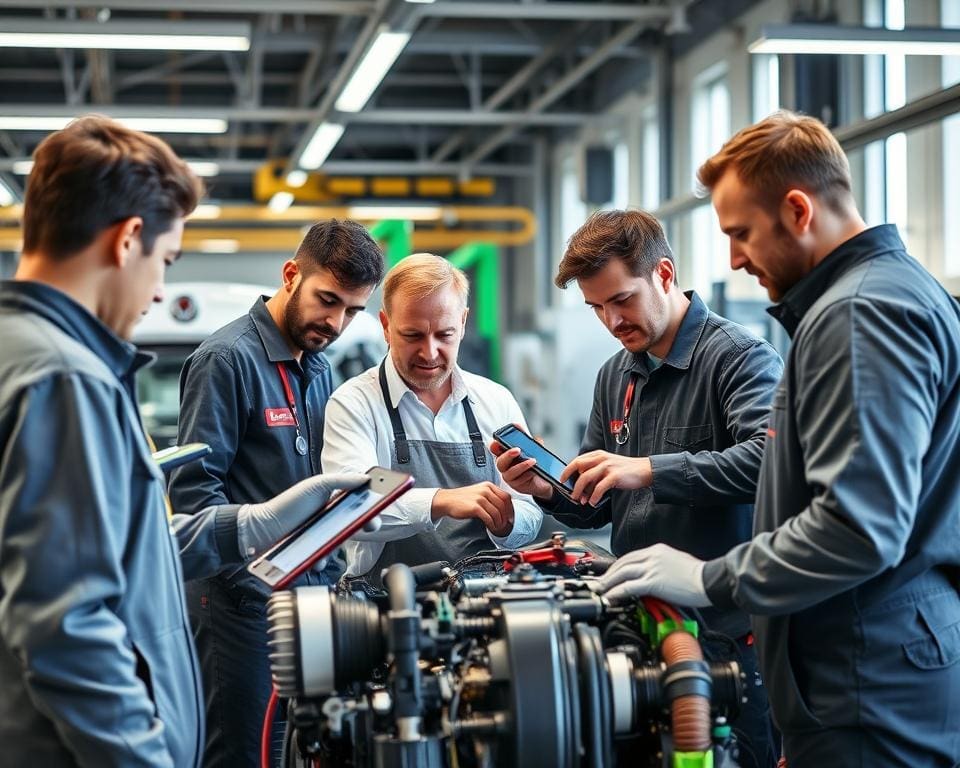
[215, 245]
[199, 167]
[419, 1]
[204, 167]
[125, 35]
[297, 178]
[280, 201]
[6, 194]
[371, 70]
[205, 211]
[401, 212]
[148, 124]
[835, 39]
[319, 147]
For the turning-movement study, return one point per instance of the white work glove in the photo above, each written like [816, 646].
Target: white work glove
[260, 526]
[658, 571]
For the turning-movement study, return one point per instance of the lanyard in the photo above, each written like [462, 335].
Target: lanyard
[301, 443]
[620, 428]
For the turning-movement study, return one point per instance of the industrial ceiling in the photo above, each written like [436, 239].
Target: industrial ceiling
[474, 81]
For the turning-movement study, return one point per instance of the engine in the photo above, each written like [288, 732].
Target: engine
[504, 660]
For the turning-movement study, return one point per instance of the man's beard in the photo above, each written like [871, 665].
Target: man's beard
[300, 332]
[419, 380]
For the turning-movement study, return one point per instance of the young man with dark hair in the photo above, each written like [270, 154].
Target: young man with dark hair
[677, 426]
[256, 392]
[852, 576]
[97, 666]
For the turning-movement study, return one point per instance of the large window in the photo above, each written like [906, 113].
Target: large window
[650, 159]
[950, 17]
[766, 84]
[710, 128]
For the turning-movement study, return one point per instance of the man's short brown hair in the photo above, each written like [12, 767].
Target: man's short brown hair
[95, 173]
[782, 152]
[635, 237]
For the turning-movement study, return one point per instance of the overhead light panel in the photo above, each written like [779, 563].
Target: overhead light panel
[204, 168]
[401, 212]
[199, 167]
[371, 70]
[319, 147]
[280, 201]
[148, 124]
[836, 39]
[205, 211]
[296, 178]
[125, 35]
[6, 195]
[218, 245]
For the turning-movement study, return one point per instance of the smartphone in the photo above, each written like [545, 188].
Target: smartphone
[319, 536]
[177, 455]
[549, 466]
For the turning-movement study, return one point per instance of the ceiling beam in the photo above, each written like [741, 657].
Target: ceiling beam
[312, 7]
[547, 11]
[555, 91]
[352, 167]
[300, 115]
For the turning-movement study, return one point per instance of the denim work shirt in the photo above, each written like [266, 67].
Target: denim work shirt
[858, 506]
[232, 398]
[701, 418]
[97, 665]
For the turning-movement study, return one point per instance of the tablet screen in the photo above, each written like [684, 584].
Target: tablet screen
[351, 506]
[531, 449]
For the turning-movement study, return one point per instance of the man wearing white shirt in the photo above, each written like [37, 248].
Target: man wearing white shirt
[419, 412]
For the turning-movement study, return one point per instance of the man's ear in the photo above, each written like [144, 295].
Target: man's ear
[796, 212]
[665, 273]
[385, 324]
[125, 241]
[289, 274]
[463, 322]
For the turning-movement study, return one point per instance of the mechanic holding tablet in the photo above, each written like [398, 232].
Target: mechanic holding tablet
[677, 427]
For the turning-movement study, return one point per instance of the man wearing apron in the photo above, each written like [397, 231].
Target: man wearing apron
[418, 412]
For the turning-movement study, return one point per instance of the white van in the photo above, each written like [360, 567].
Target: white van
[190, 313]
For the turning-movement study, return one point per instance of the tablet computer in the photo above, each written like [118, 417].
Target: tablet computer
[319, 536]
[178, 455]
[549, 466]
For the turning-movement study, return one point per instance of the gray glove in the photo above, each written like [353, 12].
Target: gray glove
[658, 571]
[260, 526]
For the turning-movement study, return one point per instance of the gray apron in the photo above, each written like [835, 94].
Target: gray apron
[437, 465]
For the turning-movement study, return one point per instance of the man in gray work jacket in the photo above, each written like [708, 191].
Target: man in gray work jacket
[97, 667]
[677, 426]
[852, 574]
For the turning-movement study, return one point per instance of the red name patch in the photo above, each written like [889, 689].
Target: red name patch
[279, 417]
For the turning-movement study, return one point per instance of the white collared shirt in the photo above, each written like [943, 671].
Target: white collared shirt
[357, 435]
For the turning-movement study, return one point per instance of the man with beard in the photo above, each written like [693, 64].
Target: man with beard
[419, 412]
[852, 577]
[255, 391]
[677, 427]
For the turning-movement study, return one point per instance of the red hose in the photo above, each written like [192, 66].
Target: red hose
[690, 714]
[268, 728]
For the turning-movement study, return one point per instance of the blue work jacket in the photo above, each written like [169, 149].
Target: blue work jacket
[232, 398]
[97, 665]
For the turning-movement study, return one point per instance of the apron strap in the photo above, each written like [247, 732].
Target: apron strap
[476, 439]
[399, 436]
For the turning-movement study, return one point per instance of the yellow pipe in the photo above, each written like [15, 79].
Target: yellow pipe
[284, 237]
